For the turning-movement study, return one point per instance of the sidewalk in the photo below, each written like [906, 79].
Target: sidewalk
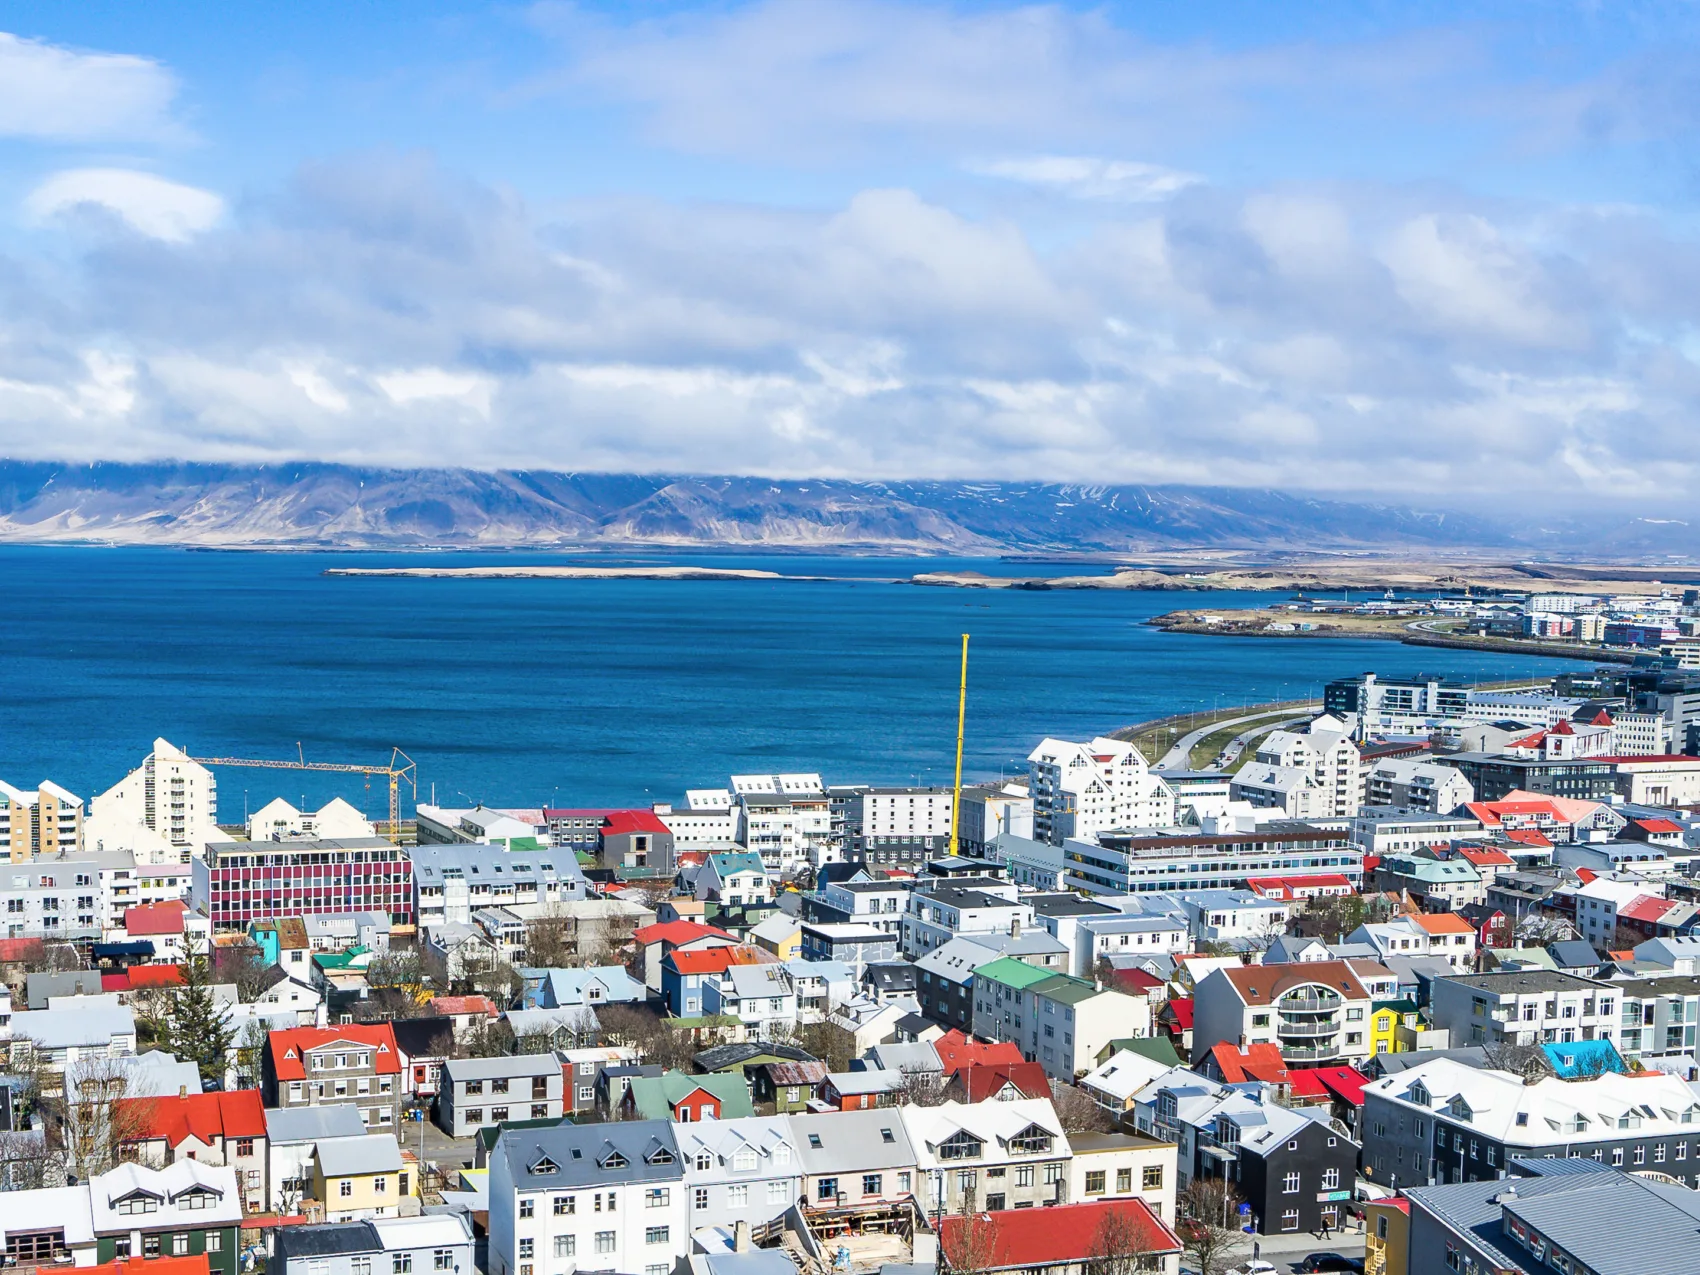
[1285, 1252]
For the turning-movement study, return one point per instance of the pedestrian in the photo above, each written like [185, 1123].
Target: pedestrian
[1325, 1230]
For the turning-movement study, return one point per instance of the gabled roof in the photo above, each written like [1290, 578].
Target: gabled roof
[155, 919]
[678, 932]
[1059, 1235]
[985, 1082]
[286, 1048]
[715, 960]
[621, 822]
[956, 1050]
[309, 1124]
[657, 1097]
[1442, 923]
[568, 1155]
[202, 1116]
[1261, 984]
[1253, 1062]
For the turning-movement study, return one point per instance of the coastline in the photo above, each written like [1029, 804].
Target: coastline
[569, 573]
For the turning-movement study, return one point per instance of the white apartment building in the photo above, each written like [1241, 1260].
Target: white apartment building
[1418, 785]
[1525, 1007]
[169, 795]
[46, 821]
[1440, 934]
[451, 882]
[1600, 900]
[1167, 860]
[905, 812]
[1325, 753]
[1239, 919]
[336, 820]
[1315, 1012]
[605, 1197]
[1378, 829]
[745, 1169]
[786, 819]
[82, 896]
[936, 916]
[993, 811]
[707, 821]
[988, 1156]
[1079, 790]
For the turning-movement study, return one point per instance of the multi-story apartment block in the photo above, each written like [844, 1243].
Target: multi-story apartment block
[1417, 785]
[742, 1170]
[1058, 1021]
[861, 899]
[478, 1092]
[354, 1063]
[787, 820]
[450, 883]
[988, 1156]
[1495, 775]
[168, 795]
[943, 912]
[238, 882]
[1379, 829]
[1162, 862]
[1441, 934]
[991, 811]
[1442, 1121]
[80, 896]
[605, 1197]
[572, 828]
[47, 821]
[854, 1159]
[1079, 790]
[707, 821]
[1660, 1016]
[1525, 1007]
[1315, 1012]
[905, 814]
[1326, 755]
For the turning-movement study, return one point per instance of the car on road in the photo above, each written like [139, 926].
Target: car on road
[1330, 1262]
[1255, 1267]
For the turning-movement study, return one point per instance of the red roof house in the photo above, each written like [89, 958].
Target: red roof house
[1002, 1081]
[141, 977]
[151, 920]
[288, 1052]
[1060, 1238]
[957, 1050]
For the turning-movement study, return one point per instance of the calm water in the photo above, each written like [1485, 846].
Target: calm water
[596, 692]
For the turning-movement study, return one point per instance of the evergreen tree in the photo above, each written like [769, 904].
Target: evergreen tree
[197, 1028]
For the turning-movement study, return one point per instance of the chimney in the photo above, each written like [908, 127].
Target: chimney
[741, 1237]
[1015, 927]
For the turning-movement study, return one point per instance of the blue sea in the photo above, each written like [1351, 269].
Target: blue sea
[606, 692]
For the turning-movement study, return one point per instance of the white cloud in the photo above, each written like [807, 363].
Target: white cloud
[51, 93]
[152, 205]
[1081, 177]
[434, 385]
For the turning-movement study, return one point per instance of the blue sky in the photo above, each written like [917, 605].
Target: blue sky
[1371, 248]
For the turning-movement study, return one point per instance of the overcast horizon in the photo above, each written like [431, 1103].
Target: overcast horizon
[1434, 254]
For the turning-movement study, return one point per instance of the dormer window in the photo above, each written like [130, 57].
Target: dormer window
[961, 1145]
[544, 1167]
[704, 1160]
[196, 1198]
[1030, 1141]
[136, 1202]
[614, 1160]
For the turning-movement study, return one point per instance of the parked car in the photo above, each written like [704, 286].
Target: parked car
[1330, 1262]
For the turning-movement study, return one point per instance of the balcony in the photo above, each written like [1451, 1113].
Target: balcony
[1313, 1028]
[1308, 1004]
[1310, 1053]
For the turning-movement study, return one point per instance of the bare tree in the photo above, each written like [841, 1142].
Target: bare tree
[94, 1122]
[151, 1007]
[969, 1244]
[1078, 1111]
[250, 1047]
[1528, 1061]
[243, 965]
[1538, 929]
[24, 1163]
[488, 1038]
[1209, 1224]
[1120, 1246]
[921, 1088]
[1263, 935]
[831, 1044]
[551, 941]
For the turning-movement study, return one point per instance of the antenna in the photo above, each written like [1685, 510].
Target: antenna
[961, 715]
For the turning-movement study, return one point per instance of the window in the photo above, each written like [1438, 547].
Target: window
[605, 1241]
[474, 1086]
[1290, 1184]
[345, 1188]
[442, 1259]
[657, 1197]
[737, 1197]
[138, 1204]
[356, 1266]
[566, 1246]
[215, 1244]
[1290, 1220]
[150, 1246]
[699, 1198]
[966, 1179]
[826, 1189]
[1151, 1179]
[498, 1114]
[380, 1185]
[776, 1192]
[872, 1183]
[566, 1205]
[401, 1263]
[1095, 1182]
[525, 1247]
[1330, 1179]
[244, 1146]
[528, 1208]
[1024, 1175]
[180, 1245]
[655, 1235]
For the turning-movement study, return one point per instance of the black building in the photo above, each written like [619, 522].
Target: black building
[1296, 1168]
[1493, 776]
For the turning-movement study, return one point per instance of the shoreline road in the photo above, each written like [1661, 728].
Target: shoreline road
[1237, 745]
[1177, 757]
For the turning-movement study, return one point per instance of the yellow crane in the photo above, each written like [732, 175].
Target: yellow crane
[401, 768]
[961, 716]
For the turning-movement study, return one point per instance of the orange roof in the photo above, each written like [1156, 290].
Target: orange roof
[957, 1050]
[1443, 923]
[1530, 837]
[156, 975]
[1490, 858]
[203, 1116]
[1254, 1062]
[285, 1048]
[152, 1266]
[155, 918]
[446, 1005]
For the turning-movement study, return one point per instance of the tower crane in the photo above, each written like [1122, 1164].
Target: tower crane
[401, 768]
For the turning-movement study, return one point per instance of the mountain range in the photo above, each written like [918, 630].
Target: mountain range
[340, 506]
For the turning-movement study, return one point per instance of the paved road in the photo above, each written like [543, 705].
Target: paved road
[1176, 757]
[1285, 1252]
[1229, 755]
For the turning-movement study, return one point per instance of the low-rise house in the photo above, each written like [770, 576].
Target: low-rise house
[282, 991]
[59, 1039]
[819, 985]
[1241, 920]
[658, 940]
[283, 941]
[998, 1082]
[600, 1197]
[991, 1156]
[854, 1158]
[1438, 884]
[365, 1177]
[291, 1138]
[739, 1171]
[486, 1091]
[1441, 934]
[675, 1096]
[1058, 1021]
[169, 926]
[185, 1210]
[1114, 1166]
[1115, 1083]
[860, 898]
[438, 1242]
[358, 1063]
[780, 934]
[761, 997]
[212, 1128]
[860, 1090]
[1075, 1240]
[683, 974]
[582, 1067]
[586, 988]
[733, 880]
[788, 1086]
[339, 931]
[853, 943]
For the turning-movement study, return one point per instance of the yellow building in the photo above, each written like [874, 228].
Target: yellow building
[1387, 1236]
[1385, 1020]
[781, 935]
[39, 824]
[360, 1178]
